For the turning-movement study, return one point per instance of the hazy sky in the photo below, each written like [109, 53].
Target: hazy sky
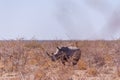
[60, 19]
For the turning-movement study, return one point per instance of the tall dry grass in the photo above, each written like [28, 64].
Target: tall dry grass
[26, 60]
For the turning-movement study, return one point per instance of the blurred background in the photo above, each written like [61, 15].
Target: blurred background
[60, 19]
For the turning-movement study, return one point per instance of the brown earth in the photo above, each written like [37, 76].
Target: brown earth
[26, 60]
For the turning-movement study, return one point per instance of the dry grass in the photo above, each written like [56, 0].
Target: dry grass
[82, 65]
[26, 60]
[92, 72]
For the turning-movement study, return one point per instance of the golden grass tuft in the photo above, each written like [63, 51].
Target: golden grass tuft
[92, 72]
[39, 74]
[82, 65]
[108, 58]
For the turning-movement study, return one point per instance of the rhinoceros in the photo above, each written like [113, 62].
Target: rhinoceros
[66, 54]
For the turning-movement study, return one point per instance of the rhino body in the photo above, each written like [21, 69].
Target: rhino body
[66, 54]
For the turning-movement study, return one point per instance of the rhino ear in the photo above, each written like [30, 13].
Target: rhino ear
[58, 48]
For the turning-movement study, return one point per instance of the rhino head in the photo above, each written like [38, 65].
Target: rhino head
[55, 56]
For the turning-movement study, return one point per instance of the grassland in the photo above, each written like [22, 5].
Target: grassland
[26, 60]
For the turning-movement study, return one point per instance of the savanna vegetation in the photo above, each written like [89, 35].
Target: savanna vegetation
[27, 60]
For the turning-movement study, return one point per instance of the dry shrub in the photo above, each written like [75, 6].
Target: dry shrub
[31, 54]
[118, 70]
[32, 62]
[57, 43]
[39, 74]
[108, 58]
[33, 57]
[33, 44]
[118, 73]
[1, 65]
[9, 66]
[102, 44]
[46, 64]
[1, 44]
[99, 60]
[82, 65]
[92, 72]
